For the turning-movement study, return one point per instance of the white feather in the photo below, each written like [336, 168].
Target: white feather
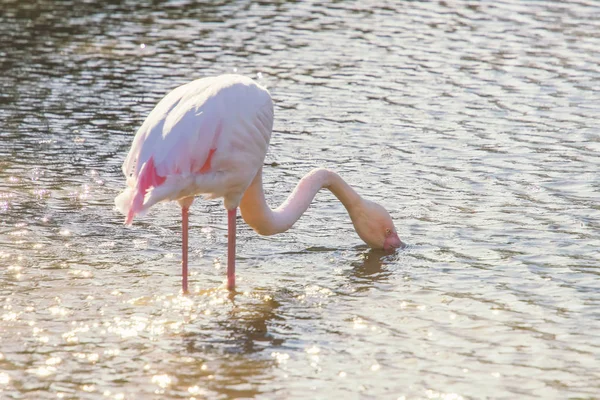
[229, 113]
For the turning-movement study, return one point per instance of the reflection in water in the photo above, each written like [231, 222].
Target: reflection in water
[475, 124]
[230, 363]
[371, 269]
[245, 326]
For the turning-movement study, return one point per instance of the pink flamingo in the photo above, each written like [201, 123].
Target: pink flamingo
[210, 137]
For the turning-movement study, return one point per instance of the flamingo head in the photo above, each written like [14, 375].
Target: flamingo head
[374, 225]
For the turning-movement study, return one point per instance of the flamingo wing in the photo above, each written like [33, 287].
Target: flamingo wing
[180, 137]
[175, 134]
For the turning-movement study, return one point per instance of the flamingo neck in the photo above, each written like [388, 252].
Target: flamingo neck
[266, 221]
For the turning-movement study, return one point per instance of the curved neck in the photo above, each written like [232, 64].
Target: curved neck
[265, 221]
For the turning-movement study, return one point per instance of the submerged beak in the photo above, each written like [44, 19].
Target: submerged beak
[392, 242]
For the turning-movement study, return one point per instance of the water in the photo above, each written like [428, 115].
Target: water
[474, 123]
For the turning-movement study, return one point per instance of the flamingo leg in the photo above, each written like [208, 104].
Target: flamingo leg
[184, 248]
[231, 215]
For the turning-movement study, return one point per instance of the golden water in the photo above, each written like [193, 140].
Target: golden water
[475, 123]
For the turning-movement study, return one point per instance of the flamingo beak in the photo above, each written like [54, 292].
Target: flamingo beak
[392, 242]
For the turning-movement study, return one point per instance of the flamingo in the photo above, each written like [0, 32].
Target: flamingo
[209, 137]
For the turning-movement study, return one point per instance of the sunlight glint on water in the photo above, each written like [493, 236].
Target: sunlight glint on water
[475, 124]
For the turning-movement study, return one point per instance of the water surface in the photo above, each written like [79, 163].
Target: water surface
[475, 124]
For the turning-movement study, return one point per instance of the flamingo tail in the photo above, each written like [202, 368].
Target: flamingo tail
[131, 201]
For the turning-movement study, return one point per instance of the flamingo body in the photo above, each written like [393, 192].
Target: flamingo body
[207, 137]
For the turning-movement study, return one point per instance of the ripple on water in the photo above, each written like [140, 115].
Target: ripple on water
[473, 123]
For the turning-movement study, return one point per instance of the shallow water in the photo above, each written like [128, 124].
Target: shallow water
[475, 124]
